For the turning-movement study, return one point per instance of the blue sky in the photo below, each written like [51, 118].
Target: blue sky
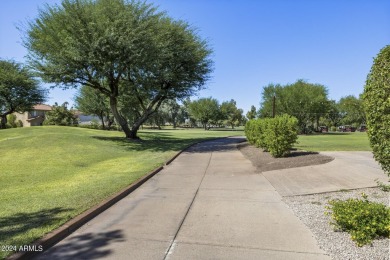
[257, 42]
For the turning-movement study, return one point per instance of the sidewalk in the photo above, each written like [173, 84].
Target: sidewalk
[209, 203]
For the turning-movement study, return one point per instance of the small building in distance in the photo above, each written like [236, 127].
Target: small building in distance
[35, 116]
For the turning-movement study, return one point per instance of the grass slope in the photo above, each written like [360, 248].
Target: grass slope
[334, 142]
[48, 175]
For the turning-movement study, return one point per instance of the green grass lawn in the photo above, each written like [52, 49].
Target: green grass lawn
[334, 142]
[49, 175]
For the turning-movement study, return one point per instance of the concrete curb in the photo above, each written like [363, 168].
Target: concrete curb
[69, 227]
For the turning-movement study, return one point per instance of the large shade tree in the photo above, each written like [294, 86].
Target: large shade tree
[231, 114]
[205, 110]
[128, 51]
[19, 90]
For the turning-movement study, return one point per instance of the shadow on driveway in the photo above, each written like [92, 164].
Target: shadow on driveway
[86, 246]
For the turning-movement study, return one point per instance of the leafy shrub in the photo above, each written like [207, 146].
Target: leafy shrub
[281, 133]
[362, 219]
[276, 135]
[333, 129]
[89, 126]
[249, 131]
[376, 103]
[60, 115]
[11, 119]
[262, 127]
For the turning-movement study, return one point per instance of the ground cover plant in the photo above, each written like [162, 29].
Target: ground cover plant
[334, 142]
[50, 174]
[362, 219]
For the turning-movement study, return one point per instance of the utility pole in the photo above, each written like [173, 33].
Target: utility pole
[273, 106]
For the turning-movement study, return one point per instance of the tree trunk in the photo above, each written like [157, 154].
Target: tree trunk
[3, 121]
[137, 124]
[119, 119]
[102, 119]
[110, 121]
[133, 133]
[134, 129]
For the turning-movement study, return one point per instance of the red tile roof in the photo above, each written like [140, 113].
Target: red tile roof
[42, 107]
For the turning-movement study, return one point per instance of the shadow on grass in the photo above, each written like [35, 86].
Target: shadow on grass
[165, 142]
[20, 223]
[330, 133]
[86, 246]
[162, 144]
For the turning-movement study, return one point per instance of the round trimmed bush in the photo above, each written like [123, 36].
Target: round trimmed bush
[377, 107]
[275, 135]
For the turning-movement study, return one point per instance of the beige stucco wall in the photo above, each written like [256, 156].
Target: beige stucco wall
[22, 117]
[28, 115]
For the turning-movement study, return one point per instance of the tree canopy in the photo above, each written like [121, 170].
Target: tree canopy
[19, 90]
[306, 101]
[251, 114]
[232, 115]
[351, 109]
[129, 51]
[205, 110]
[377, 107]
[92, 102]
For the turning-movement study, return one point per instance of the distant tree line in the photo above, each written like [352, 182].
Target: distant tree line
[310, 104]
[205, 112]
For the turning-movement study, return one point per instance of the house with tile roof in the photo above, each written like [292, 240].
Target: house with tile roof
[35, 116]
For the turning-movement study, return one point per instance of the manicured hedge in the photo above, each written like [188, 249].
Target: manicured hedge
[254, 131]
[377, 107]
[275, 135]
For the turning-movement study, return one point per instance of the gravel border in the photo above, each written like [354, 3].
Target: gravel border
[310, 210]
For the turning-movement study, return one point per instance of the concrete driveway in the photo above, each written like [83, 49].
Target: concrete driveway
[348, 170]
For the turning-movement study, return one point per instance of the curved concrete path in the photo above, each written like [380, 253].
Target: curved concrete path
[209, 203]
[348, 170]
